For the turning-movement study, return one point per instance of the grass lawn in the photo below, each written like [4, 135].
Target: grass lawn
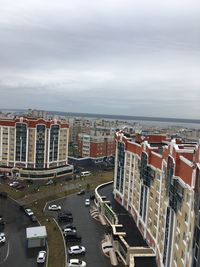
[14, 193]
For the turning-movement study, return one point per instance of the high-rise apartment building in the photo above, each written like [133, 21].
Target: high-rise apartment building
[34, 148]
[157, 180]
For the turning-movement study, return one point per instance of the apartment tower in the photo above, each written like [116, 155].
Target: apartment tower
[157, 180]
[34, 147]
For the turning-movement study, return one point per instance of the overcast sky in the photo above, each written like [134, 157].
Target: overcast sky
[111, 56]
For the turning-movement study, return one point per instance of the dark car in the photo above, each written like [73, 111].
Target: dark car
[68, 226]
[2, 223]
[81, 192]
[21, 207]
[33, 218]
[71, 237]
[3, 194]
[66, 212]
[65, 217]
[20, 186]
[92, 197]
[29, 181]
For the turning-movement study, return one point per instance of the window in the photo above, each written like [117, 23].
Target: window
[158, 176]
[182, 255]
[184, 236]
[157, 200]
[188, 198]
[186, 217]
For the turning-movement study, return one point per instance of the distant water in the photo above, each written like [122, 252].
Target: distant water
[149, 121]
[164, 124]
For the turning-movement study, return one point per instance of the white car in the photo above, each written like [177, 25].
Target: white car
[77, 263]
[2, 238]
[29, 212]
[49, 182]
[54, 207]
[41, 258]
[74, 250]
[14, 184]
[87, 202]
[69, 230]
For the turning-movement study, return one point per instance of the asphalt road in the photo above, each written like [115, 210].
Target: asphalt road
[92, 232]
[14, 252]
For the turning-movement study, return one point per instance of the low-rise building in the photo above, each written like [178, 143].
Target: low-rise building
[96, 146]
[36, 236]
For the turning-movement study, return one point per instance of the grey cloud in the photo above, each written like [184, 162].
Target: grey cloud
[106, 56]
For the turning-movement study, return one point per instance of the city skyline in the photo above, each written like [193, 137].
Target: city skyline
[108, 57]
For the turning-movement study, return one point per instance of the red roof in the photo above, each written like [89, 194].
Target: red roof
[183, 169]
[32, 122]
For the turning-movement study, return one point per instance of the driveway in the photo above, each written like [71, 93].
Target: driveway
[92, 232]
[14, 252]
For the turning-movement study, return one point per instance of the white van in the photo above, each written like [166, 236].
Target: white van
[86, 173]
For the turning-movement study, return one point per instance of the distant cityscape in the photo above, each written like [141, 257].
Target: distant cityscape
[156, 176]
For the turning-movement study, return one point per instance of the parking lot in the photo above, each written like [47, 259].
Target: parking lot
[92, 232]
[14, 252]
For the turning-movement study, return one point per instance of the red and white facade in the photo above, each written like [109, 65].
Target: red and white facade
[34, 147]
[96, 146]
[157, 182]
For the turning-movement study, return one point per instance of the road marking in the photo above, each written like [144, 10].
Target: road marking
[7, 254]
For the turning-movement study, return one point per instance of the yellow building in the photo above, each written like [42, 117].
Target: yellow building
[157, 182]
[34, 148]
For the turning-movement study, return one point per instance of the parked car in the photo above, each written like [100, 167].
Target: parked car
[69, 230]
[72, 237]
[41, 258]
[2, 238]
[20, 186]
[54, 207]
[69, 225]
[75, 250]
[29, 212]
[81, 192]
[65, 217]
[33, 218]
[2, 222]
[3, 194]
[87, 202]
[49, 182]
[77, 263]
[14, 184]
[29, 181]
[86, 173]
[92, 197]
[22, 207]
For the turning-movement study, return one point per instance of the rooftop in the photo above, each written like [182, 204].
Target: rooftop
[37, 231]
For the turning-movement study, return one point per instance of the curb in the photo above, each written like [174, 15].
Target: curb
[63, 240]
[65, 248]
